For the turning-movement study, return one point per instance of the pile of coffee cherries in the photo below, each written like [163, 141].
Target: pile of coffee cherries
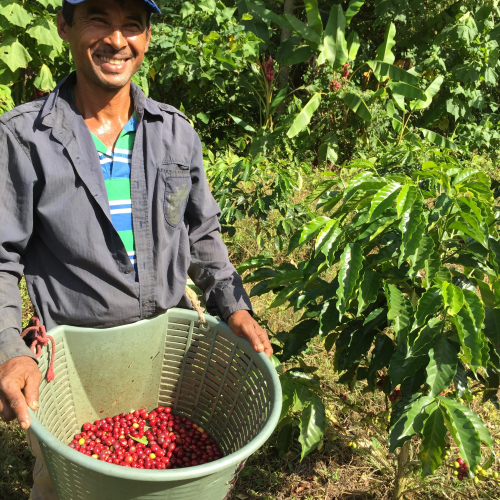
[155, 440]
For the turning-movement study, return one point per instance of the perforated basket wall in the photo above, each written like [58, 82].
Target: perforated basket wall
[206, 373]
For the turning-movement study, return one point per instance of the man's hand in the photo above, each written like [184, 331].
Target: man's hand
[19, 381]
[243, 325]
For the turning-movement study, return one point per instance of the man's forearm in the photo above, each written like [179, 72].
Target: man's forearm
[212, 272]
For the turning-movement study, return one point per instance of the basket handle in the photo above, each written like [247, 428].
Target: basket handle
[41, 339]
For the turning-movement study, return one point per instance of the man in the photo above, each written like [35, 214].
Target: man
[104, 203]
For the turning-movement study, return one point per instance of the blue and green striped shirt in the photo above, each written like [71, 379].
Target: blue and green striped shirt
[115, 166]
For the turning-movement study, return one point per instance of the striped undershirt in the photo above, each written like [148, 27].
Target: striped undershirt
[115, 166]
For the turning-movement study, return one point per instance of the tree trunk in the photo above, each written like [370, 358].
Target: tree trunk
[288, 6]
[400, 482]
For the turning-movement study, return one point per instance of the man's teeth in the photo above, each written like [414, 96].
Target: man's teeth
[111, 61]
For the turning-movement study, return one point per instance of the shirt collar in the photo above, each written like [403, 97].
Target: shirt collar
[131, 125]
[141, 102]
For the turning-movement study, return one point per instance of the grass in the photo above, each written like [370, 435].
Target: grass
[16, 463]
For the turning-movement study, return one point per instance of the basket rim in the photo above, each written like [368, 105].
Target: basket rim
[171, 475]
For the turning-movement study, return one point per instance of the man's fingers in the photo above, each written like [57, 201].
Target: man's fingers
[243, 325]
[6, 412]
[249, 332]
[31, 390]
[265, 341]
[19, 381]
[15, 399]
[258, 338]
[253, 337]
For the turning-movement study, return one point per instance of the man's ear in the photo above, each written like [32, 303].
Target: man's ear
[148, 37]
[62, 27]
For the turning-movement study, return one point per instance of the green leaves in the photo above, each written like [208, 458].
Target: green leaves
[492, 325]
[384, 52]
[383, 70]
[329, 240]
[423, 252]
[442, 365]
[400, 312]
[288, 391]
[311, 229]
[439, 140]
[412, 228]
[304, 117]
[44, 80]
[405, 199]
[15, 13]
[410, 422]
[352, 9]
[142, 440]
[284, 439]
[453, 298]
[300, 390]
[351, 264]
[334, 39]
[357, 104]
[188, 9]
[13, 54]
[312, 426]
[298, 338]
[45, 33]
[430, 92]
[242, 123]
[303, 30]
[430, 302]
[329, 147]
[396, 232]
[368, 291]
[267, 15]
[406, 90]
[468, 322]
[313, 18]
[473, 418]
[383, 200]
[353, 45]
[433, 442]
[463, 431]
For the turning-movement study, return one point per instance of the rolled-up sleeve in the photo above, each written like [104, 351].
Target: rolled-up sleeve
[210, 268]
[16, 226]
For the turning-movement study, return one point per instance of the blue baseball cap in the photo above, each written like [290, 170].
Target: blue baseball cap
[151, 6]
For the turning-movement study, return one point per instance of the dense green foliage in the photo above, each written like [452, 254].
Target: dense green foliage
[32, 56]
[415, 301]
[385, 111]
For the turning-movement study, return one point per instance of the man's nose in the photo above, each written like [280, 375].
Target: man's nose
[116, 39]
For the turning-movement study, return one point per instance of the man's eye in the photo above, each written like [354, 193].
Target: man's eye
[134, 27]
[98, 19]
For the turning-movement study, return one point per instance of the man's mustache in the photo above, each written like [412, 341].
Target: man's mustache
[113, 54]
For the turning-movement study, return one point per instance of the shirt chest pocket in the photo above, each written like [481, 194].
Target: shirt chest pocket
[176, 179]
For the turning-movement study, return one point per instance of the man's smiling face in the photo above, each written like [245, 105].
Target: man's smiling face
[108, 40]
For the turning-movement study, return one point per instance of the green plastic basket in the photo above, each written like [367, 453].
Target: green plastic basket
[204, 372]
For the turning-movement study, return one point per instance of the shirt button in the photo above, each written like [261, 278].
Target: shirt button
[128, 271]
[145, 303]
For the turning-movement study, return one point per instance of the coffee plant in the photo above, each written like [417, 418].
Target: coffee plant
[403, 281]
[260, 189]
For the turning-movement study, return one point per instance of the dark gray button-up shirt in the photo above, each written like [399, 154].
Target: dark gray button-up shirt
[55, 223]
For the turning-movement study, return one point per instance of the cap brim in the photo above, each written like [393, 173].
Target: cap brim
[151, 6]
